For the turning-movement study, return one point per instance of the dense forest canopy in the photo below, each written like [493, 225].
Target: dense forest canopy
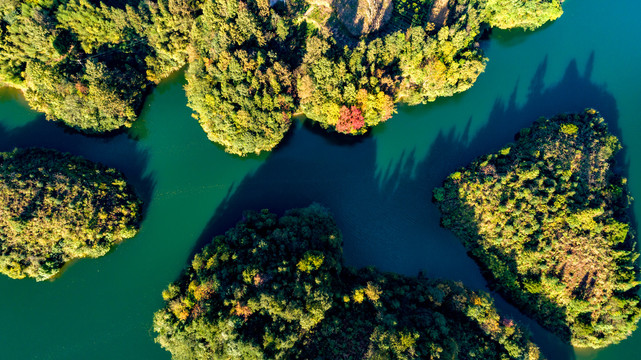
[56, 207]
[546, 217]
[77, 62]
[252, 66]
[275, 288]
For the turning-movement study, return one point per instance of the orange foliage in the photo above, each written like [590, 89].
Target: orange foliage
[240, 310]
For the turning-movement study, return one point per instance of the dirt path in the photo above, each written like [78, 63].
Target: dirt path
[440, 12]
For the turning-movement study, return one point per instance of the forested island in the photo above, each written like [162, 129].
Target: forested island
[546, 217]
[275, 288]
[252, 64]
[55, 207]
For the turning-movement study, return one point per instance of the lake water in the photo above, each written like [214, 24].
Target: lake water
[378, 187]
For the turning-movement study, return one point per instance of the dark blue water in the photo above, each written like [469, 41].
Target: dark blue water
[378, 186]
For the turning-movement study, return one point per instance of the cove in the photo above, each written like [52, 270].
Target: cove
[378, 186]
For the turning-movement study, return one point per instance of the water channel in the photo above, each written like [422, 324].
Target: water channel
[378, 186]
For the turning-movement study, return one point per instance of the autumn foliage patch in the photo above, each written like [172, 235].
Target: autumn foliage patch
[351, 119]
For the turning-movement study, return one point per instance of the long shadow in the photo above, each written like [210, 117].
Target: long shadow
[119, 152]
[392, 223]
[573, 93]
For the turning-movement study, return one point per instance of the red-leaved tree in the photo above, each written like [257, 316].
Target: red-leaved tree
[350, 119]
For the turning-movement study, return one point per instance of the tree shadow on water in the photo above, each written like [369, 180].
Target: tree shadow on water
[573, 93]
[119, 152]
[392, 223]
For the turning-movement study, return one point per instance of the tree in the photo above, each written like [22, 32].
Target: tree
[275, 288]
[58, 207]
[351, 120]
[546, 217]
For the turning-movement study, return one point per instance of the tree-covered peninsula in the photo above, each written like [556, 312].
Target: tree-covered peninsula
[546, 217]
[275, 288]
[55, 207]
[79, 62]
[253, 64]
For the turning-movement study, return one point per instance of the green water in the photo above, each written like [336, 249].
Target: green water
[378, 186]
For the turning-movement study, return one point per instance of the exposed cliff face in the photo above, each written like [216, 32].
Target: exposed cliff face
[440, 12]
[362, 17]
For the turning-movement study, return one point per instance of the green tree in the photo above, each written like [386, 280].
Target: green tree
[528, 14]
[275, 288]
[547, 218]
[58, 207]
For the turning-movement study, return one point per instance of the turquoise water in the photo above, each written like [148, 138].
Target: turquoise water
[378, 186]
